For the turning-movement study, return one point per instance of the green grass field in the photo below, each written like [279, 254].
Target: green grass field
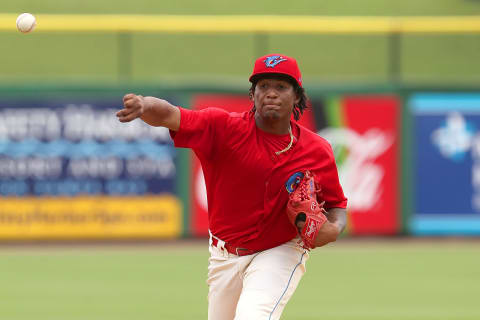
[350, 280]
[97, 57]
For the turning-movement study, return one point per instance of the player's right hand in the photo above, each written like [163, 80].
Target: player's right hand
[133, 107]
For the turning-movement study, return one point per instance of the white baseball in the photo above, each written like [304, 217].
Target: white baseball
[26, 22]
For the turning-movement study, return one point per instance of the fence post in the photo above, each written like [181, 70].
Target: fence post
[124, 56]
[260, 44]
[395, 57]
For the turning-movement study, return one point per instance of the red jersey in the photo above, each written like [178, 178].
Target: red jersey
[247, 183]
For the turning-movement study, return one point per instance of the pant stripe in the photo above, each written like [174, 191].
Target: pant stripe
[288, 283]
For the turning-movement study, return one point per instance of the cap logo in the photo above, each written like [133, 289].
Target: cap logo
[272, 61]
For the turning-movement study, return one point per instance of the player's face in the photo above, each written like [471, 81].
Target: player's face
[274, 99]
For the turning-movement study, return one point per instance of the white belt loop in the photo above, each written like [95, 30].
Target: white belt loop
[220, 244]
[210, 238]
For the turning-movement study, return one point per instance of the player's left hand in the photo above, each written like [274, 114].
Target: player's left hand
[303, 207]
[329, 232]
[133, 107]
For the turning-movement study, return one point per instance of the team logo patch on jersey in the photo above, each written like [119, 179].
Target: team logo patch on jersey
[272, 61]
[293, 181]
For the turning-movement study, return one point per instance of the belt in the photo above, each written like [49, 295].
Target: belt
[232, 249]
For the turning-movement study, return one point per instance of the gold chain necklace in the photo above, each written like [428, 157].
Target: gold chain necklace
[289, 145]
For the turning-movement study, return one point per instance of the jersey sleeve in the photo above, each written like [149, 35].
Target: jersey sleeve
[332, 191]
[200, 130]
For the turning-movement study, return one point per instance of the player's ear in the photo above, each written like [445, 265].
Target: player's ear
[298, 95]
[250, 94]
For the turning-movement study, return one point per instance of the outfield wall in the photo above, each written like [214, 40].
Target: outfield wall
[407, 160]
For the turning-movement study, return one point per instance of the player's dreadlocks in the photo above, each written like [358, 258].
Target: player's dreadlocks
[299, 107]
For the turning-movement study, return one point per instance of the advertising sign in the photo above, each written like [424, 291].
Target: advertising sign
[60, 154]
[89, 217]
[447, 163]
[365, 139]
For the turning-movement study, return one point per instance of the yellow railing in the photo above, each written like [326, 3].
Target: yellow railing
[247, 24]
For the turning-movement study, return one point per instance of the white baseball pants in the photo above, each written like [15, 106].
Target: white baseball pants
[253, 287]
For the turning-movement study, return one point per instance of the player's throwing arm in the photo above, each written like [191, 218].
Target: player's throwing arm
[156, 112]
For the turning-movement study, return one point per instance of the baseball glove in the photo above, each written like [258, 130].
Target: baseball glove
[303, 206]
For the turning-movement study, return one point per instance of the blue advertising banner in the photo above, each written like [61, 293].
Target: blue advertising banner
[54, 148]
[446, 163]
[57, 155]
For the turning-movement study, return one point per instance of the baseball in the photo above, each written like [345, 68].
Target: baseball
[26, 22]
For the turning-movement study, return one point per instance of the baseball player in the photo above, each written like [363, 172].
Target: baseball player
[272, 187]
